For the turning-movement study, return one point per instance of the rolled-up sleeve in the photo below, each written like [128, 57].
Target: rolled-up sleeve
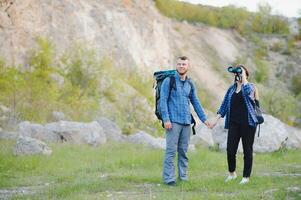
[197, 105]
[164, 94]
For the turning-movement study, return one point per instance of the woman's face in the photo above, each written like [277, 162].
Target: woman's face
[243, 74]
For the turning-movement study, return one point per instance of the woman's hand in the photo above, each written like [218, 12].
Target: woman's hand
[243, 76]
[214, 121]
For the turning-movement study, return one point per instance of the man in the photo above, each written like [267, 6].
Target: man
[176, 115]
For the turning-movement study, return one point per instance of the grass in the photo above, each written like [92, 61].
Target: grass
[123, 171]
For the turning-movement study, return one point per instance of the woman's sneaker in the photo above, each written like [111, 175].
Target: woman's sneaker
[231, 177]
[244, 181]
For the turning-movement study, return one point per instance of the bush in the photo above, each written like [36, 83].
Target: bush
[226, 17]
[32, 94]
[264, 22]
[296, 84]
[79, 96]
[280, 104]
[262, 71]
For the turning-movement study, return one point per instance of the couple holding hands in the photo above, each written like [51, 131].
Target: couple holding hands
[176, 116]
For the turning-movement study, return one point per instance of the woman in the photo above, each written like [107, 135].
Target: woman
[240, 121]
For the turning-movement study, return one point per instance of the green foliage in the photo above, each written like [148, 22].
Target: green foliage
[226, 17]
[79, 94]
[127, 171]
[262, 71]
[289, 47]
[264, 22]
[277, 46]
[33, 94]
[260, 52]
[296, 84]
[279, 103]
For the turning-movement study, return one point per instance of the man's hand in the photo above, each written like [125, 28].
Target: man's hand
[207, 123]
[167, 125]
[214, 121]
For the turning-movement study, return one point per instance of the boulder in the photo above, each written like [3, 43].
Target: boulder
[111, 130]
[4, 135]
[37, 131]
[28, 146]
[148, 140]
[203, 136]
[274, 135]
[78, 133]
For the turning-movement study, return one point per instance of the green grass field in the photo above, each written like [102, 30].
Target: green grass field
[123, 171]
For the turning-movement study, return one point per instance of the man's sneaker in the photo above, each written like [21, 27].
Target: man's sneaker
[171, 183]
[231, 177]
[244, 181]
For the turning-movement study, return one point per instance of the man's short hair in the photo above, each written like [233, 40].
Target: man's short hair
[183, 58]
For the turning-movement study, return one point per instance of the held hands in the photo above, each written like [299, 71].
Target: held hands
[213, 122]
[207, 123]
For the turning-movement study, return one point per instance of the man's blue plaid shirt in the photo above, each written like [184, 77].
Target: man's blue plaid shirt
[175, 104]
[248, 95]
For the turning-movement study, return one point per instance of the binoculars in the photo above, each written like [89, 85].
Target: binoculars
[235, 70]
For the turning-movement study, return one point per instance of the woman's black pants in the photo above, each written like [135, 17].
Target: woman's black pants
[246, 133]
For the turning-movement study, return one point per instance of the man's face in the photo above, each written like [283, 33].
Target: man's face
[182, 66]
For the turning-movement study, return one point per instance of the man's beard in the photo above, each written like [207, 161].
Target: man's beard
[182, 73]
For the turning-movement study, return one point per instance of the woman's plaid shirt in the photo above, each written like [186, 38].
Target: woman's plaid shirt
[248, 95]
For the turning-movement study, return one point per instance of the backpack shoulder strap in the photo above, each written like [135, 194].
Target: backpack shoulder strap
[191, 86]
[172, 83]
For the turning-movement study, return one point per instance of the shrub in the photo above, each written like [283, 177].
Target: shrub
[279, 103]
[32, 94]
[226, 17]
[296, 84]
[261, 72]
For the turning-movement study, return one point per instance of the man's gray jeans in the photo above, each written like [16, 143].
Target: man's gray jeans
[177, 140]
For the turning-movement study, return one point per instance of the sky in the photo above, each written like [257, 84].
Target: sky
[288, 8]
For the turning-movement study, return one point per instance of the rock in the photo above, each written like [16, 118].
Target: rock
[219, 135]
[4, 109]
[293, 140]
[58, 116]
[8, 135]
[203, 136]
[28, 146]
[111, 130]
[274, 135]
[37, 131]
[294, 26]
[78, 133]
[4, 20]
[147, 140]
